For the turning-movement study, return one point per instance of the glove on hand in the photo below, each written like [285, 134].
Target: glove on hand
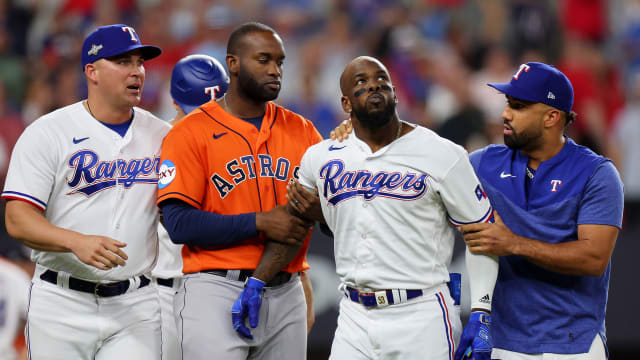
[475, 343]
[249, 302]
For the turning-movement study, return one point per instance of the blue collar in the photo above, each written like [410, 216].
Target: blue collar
[121, 129]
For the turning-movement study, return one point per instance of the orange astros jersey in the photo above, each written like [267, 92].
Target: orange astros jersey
[218, 163]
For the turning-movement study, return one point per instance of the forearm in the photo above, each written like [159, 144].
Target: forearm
[27, 224]
[308, 296]
[274, 258]
[483, 272]
[570, 258]
[190, 226]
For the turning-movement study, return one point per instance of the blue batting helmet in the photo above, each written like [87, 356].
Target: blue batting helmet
[197, 79]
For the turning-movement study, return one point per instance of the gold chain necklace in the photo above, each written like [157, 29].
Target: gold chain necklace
[89, 108]
[399, 130]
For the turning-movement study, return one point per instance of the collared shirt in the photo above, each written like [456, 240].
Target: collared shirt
[536, 310]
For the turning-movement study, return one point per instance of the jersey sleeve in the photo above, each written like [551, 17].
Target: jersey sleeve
[182, 174]
[32, 169]
[314, 137]
[603, 199]
[306, 173]
[463, 196]
[313, 134]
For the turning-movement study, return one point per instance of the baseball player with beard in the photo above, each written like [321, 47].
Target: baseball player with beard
[195, 80]
[222, 190]
[81, 189]
[390, 194]
[559, 209]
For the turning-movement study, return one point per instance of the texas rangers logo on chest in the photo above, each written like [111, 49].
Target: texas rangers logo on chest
[90, 175]
[340, 185]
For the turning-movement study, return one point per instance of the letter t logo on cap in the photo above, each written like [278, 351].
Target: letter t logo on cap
[524, 67]
[132, 32]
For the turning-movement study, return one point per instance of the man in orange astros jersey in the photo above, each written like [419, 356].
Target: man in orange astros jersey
[224, 172]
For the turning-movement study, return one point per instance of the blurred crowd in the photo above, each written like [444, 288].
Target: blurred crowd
[441, 54]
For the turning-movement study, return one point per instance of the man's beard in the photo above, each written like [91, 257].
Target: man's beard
[250, 87]
[526, 141]
[377, 118]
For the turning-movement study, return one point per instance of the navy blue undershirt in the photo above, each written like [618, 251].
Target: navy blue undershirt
[121, 129]
[190, 226]
[256, 121]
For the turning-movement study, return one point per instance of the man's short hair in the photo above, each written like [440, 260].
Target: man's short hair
[235, 39]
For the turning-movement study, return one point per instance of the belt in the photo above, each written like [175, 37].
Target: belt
[98, 289]
[381, 298]
[280, 278]
[165, 282]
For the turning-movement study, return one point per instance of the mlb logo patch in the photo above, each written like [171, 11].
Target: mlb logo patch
[480, 193]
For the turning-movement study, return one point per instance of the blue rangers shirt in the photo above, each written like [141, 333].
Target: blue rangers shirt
[537, 310]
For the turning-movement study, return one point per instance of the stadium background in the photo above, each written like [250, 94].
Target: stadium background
[441, 53]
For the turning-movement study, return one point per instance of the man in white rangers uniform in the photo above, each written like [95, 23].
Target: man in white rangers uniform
[81, 187]
[390, 195]
[14, 295]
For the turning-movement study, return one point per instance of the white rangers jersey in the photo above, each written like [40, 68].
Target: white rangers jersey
[89, 179]
[169, 264]
[14, 298]
[392, 211]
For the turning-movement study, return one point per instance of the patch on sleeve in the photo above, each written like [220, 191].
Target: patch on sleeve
[167, 174]
[480, 193]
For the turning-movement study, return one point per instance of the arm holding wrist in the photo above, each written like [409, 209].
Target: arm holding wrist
[586, 256]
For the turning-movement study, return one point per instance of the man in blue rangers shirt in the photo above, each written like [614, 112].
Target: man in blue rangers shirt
[558, 212]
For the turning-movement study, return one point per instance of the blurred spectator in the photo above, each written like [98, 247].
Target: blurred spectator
[68, 83]
[38, 100]
[597, 92]
[214, 27]
[313, 107]
[624, 147]
[12, 126]
[15, 17]
[11, 69]
[533, 25]
[497, 65]
[585, 18]
[457, 118]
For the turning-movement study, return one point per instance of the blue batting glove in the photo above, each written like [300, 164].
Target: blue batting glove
[248, 303]
[475, 343]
